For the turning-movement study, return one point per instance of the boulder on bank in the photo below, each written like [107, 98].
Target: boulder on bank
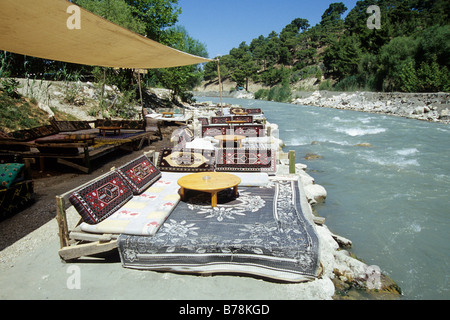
[364, 144]
[315, 193]
[312, 156]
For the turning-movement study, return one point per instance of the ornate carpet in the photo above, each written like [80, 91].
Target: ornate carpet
[262, 233]
[246, 160]
[186, 160]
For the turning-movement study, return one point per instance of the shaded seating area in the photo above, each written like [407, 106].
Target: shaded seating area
[77, 143]
[256, 228]
[262, 232]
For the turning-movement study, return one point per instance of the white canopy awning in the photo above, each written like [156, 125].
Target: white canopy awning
[59, 30]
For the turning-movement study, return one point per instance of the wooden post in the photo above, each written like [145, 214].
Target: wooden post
[61, 218]
[103, 88]
[140, 90]
[87, 158]
[291, 162]
[220, 86]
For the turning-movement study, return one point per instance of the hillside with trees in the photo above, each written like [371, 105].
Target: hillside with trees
[408, 53]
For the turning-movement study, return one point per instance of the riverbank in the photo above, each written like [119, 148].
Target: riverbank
[31, 268]
[434, 107]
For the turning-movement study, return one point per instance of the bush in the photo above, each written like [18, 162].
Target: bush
[279, 93]
[261, 94]
[10, 87]
[429, 77]
[359, 82]
[326, 85]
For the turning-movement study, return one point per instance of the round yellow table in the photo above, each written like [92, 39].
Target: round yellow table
[211, 182]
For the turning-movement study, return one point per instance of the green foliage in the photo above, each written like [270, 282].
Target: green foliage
[71, 84]
[392, 57]
[410, 51]
[16, 113]
[181, 79]
[427, 78]
[4, 64]
[408, 77]
[278, 93]
[117, 11]
[261, 94]
[342, 58]
[10, 87]
[326, 85]
[157, 16]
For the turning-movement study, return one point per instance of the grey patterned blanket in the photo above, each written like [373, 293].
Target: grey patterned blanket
[262, 233]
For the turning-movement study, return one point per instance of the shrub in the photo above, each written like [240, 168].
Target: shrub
[10, 87]
[261, 94]
[326, 85]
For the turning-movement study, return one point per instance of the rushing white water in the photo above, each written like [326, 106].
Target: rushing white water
[390, 195]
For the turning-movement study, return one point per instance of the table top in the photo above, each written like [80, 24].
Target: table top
[109, 128]
[229, 137]
[235, 121]
[209, 181]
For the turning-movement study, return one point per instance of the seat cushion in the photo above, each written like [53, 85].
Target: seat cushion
[139, 174]
[101, 198]
[246, 160]
[143, 214]
[8, 173]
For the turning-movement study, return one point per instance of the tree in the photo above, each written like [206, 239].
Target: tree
[434, 44]
[157, 15]
[258, 48]
[210, 71]
[289, 40]
[332, 15]
[393, 57]
[244, 67]
[355, 23]
[182, 79]
[408, 77]
[342, 58]
[116, 11]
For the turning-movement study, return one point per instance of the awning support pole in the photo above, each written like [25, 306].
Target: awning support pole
[220, 86]
[140, 89]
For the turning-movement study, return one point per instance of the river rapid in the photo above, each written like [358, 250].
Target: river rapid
[388, 182]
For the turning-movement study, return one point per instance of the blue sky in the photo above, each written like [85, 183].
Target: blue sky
[223, 25]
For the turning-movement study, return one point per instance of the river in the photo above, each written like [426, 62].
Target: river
[390, 196]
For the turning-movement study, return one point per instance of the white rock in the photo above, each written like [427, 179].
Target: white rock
[315, 193]
[46, 109]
